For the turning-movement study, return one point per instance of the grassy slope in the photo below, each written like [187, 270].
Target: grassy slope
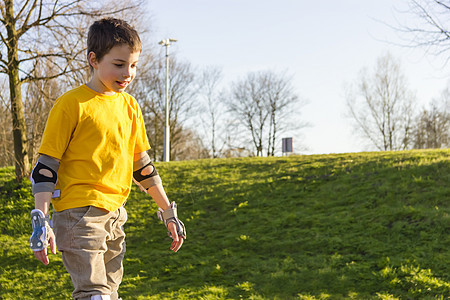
[361, 226]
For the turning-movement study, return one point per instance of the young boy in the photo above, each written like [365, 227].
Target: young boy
[94, 145]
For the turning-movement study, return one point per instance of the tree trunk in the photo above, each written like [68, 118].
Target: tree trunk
[19, 128]
[274, 134]
[17, 113]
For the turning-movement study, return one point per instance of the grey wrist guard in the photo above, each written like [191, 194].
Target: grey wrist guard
[41, 228]
[170, 215]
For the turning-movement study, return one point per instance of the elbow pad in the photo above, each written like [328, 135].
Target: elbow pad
[148, 180]
[40, 180]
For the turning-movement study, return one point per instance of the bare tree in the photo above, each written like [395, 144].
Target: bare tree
[432, 127]
[431, 27]
[247, 103]
[39, 98]
[212, 110]
[33, 33]
[149, 90]
[381, 105]
[280, 97]
[189, 146]
[6, 154]
[260, 101]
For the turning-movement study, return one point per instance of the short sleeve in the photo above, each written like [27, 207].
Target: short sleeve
[142, 143]
[60, 125]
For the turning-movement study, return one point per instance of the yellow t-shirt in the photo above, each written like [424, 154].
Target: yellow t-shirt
[95, 137]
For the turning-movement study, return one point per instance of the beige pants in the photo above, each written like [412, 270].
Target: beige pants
[92, 242]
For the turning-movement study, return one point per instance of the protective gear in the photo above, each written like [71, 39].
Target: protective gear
[40, 182]
[171, 215]
[147, 181]
[41, 228]
[101, 297]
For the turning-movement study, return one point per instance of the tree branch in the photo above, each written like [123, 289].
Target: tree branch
[40, 21]
[46, 55]
[3, 39]
[2, 10]
[31, 78]
[431, 34]
[33, 6]
[443, 4]
[3, 65]
[63, 11]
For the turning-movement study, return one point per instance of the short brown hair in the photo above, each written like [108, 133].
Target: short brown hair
[106, 33]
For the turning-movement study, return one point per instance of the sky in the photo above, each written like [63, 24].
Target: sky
[322, 44]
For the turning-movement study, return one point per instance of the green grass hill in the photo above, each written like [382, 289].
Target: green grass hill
[342, 226]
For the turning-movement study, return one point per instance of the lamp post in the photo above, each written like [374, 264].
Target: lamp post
[167, 43]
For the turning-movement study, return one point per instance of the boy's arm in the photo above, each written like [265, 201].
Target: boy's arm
[44, 176]
[159, 196]
[42, 202]
[156, 191]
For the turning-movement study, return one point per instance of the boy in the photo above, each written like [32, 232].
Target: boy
[94, 145]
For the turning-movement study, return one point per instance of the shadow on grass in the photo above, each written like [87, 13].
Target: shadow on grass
[327, 229]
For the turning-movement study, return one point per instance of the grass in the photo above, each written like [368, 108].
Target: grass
[342, 226]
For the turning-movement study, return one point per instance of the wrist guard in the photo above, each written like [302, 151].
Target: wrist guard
[41, 227]
[170, 215]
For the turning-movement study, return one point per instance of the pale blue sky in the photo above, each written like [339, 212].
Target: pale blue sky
[323, 44]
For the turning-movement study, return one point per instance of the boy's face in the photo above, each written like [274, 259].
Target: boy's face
[115, 71]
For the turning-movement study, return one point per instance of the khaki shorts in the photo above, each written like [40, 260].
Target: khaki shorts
[92, 242]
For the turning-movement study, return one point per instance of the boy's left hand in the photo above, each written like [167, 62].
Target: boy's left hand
[177, 240]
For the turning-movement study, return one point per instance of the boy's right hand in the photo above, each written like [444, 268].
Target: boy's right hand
[42, 236]
[42, 254]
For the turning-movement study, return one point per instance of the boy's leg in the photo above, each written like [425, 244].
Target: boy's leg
[81, 237]
[116, 251]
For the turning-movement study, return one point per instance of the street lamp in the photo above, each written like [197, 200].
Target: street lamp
[167, 43]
